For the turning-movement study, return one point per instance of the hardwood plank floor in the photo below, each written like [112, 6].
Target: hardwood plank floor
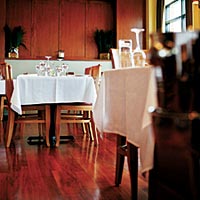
[76, 170]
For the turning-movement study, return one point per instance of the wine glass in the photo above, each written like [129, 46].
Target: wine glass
[139, 56]
[65, 68]
[58, 70]
[41, 67]
[58, 67]
[47, 66]
[38, 70]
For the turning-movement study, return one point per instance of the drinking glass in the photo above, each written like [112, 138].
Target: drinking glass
[125, 53]
[38, 70]
[65, 68]
[58, 67]
[42, 67]
[58, 70]
[47, 66]
[139, 56]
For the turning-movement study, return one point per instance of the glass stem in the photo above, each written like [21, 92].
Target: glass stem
[137, 41]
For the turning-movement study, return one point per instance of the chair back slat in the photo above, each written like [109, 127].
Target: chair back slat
[9, 81]
[95, 72]
[2, 70]
[114, 54]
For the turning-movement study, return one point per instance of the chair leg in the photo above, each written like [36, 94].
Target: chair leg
[91, 131]
[10, 127]
[94, 129]
[1, 131]
[84, 128]
[121, 140]
[47, 118]
[133, 169]
[41, 127]
[2, 107]
[18, 130]
[58, 122]
[41, 130]
[21, 129]
[96, 136]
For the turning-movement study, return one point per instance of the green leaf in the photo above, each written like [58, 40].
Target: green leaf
[13, 38]
[104, 40]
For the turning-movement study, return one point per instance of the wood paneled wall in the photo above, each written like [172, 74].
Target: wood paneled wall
[2, 23]
[131, 14]
[69, 25]
[51, 25]
[19, 13]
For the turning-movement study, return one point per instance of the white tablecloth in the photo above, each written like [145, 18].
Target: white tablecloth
[2, 87]
[33, 89]
[124, 97]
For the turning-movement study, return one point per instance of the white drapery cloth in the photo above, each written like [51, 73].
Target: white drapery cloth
[33, 89]
[122, 105]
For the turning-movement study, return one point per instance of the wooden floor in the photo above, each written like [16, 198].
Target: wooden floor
[74, 171]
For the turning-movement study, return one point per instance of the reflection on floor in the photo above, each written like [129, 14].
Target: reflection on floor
[75, 170]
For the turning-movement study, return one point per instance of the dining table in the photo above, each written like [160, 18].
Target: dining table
[31, 89]
[124, 104]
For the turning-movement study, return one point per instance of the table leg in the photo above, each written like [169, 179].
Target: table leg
[52, 138]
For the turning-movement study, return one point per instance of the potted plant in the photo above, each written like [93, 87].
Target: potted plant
[104, 41]
[13, 40]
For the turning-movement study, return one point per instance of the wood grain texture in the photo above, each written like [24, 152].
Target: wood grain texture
[19, 13]
[100, 15]
[70, 25]
[130, 14]
[57, 24]
[72, 28]
[2, 24]
[45, 28]
[76, 170]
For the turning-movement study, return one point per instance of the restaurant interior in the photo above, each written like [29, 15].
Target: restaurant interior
[100, 99]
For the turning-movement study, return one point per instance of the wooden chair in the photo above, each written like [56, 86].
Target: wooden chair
[2, 97]
[121, 151]
[79, 113]
[122, 148]
[121, 140]
[114, 54]
[39, 114]
[95, 72]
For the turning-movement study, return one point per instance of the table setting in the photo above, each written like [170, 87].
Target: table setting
[49, 68]
[50, 85]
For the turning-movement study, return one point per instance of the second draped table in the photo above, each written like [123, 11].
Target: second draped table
[32, 89]
[122, 107]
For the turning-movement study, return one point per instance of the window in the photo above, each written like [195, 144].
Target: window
[175, 16]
